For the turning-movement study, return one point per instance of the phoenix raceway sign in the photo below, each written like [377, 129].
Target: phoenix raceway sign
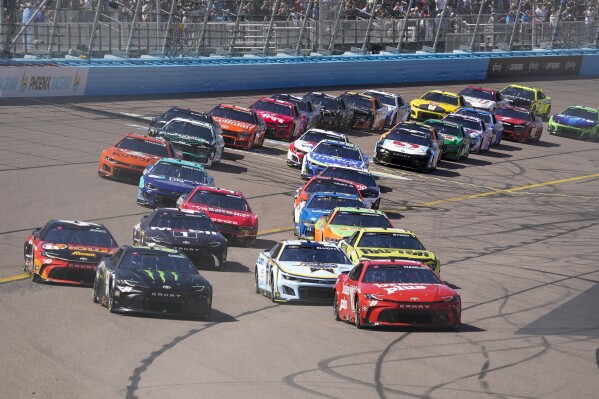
[538, 66]
[42, 81]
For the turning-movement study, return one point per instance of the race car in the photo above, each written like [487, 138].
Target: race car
[153, 280]
[342, 222]
[576, 121]
[377, 243]
[300, 147]
[396, 293]
[319, 204]
[297, 270]
[324, 184]
[306, 107]
[397, 109]
[67, 252]
[368, 112]
[158, 122]
[332, 153]
[371, 193]
[489, 118]
[198, 141]
[190, 232]
[530, 98]
[129, 156]
[481, 135]
[483, 98]
[164, 182]
[229, 210]
[519, 124]
[241, 127]
[409, 145]
[283, 119]
[334, 113]
[435, 104]
[457, 141]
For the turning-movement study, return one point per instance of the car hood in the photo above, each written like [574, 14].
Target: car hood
[513, 121]
[186, 139]
[313, 269]
[160, 280]
[332, 160]
[171, 183]
[314, 213]
[235, 126]
[194, 238]
[75, 252]
[472, 132]
[343, 231]
[573, 121]
[406, 148]
[304, 146]
[395, 253]
[131, 157]
[517, 101]
[270, 117]
[452, 140]
[434, 106]
[417, 294]
[225, 216]
[480, 102]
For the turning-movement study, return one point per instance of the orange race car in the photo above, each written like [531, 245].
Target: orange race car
[242, 127]
[342, 222]
[128, 158]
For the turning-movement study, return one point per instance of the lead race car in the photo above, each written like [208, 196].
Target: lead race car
[297, 270]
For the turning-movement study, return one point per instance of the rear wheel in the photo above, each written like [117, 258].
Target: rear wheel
[336, 308]
[95, 292]
[257, 286]
[251, 143]
[358, 318]
[110, 299]
[34, 277]
[272, 288]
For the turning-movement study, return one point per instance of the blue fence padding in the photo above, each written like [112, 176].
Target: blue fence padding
[590, 65]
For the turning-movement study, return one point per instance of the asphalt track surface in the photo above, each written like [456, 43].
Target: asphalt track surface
[516, 229]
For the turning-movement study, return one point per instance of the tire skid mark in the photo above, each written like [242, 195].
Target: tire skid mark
[379, 365]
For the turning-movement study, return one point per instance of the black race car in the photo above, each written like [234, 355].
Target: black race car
[158, 122]
[191, 232]
[368, 112]
[334, 114]
[153, 281]
[371, 193]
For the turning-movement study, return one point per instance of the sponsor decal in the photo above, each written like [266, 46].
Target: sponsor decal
[165, 295]
[80, 253]
[342, 304]
[42, 81]
[418, 307]
[82, 266]
[517, 66]
[49, 245]
[390, 288]
[77, 247]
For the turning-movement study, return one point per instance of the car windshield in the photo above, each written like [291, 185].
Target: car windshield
[581, 113]
[272, 107]
[143, 146]
[316, 137]
[72, 234]
[487, 118]
[340, 151]
[466, 123]
[313, 254]
[189, 129]
[301, 105]
[179, 172]
[182, 221]
[450, 130]
[478, 93]
[331, 202]
[399, 274]
[157, 261]
[325, 102]
[233, 114]
[218, 200]
[384, 98]
[354, 219]
[440, 98]
[390, 240]
[352, 175]
[331, 187]
[356, 101]
[519, 93]
[512, 113]
[405, 136]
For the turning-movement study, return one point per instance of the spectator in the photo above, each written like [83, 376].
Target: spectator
[28, 33]
[541, 12]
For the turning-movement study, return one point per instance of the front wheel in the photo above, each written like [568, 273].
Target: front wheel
[358, 319]
[95, 292]
[257, 286]
[272, 289]
[110, 300]
[336, 308]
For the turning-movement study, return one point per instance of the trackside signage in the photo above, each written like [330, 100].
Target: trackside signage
[538, 66]
[42, 81]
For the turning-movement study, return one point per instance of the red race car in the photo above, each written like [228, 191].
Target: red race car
[229, 210]
[283, 119]
[68, 252]
[128, 158]
[396, 293]
[519, 124]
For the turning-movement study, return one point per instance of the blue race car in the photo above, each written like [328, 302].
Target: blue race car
[333, 153]
[321, 204]
[164, 182]
[490, 120]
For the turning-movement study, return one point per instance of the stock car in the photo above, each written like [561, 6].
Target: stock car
[241, 127]
[396, 293]
[332, 153]
[435, 104]
[342, 222]
[457, 141]
[483, 98]
[371, 193]
[198, 141]
[300, 147]
[298, 270]
[576, 121]
[530, 98]
[382, 243]
[164, 182]
[155, 281]
[283, 119]
[229, 210]
[368, 112]
[129, 156]
[319, 204]
[480, 134]
[334, 113]
[490, 120]
[410, 145]
[323, 184]
[519, 124]
[306, 107]
[158, 122]
[397, 109]
[190, 232]
[65, 251]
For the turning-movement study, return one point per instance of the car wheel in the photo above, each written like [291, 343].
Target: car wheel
[256, 285]
[95, 292]
[251, 143]
[272, 289]
[110, 299]
[206, 315]
[34, 277]
[358, 318]
[336, 308]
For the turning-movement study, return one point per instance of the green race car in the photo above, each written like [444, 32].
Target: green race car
[576, 121]
[457, 142]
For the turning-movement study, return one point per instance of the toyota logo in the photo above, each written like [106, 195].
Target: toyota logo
[166, 287]
[414, 299]
[186, 242]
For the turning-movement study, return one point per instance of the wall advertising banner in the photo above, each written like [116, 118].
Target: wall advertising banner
[42, 81]
[539, 66]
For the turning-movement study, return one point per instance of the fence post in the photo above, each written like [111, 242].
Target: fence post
[438, 33]
[298, 49]
[94, 27]
[404, 26]
[559, 17]
[204, 27]
[596, 42]
[133, 27]
[236, 28]
[517, 18]
[480, 13]
[369, 26]
[270, 26]
[53, 32]
[29, 22]
[168, 26]
[336, 26]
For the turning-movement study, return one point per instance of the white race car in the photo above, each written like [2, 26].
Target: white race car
[481, 135]
[483, 98]
[303, 145]
[397, 109]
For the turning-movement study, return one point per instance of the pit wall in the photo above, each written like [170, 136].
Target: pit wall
[113, 77]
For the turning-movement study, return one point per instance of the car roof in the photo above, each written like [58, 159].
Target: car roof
[144, 137]
[192, 121]
[384, 230]
[309, 243]
[174, 161]
[358, 210]
[177, 211]
[76, 223]
[218, 190]
[385, 93]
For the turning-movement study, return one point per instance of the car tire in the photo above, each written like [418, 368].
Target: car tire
[34, 277]
[251, 143]
[336, 308]
[95, 292]
[256, 285]
[357, 318]
[110, 299]
[272, 289]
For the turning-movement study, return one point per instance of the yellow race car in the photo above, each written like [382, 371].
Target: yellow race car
[385, 243]
[530, 98]
[436, 104]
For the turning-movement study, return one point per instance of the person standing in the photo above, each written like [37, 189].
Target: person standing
[28, 33]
